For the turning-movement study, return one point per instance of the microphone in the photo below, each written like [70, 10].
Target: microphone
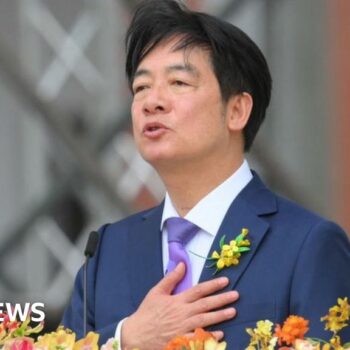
[89, 252]
[91, 244]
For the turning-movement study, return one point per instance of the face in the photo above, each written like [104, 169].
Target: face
[177, 110]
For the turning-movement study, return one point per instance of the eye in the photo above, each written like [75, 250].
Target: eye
[179, 83]
[139, 88]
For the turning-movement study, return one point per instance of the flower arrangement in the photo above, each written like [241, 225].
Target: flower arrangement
[19, 336]
[291, 335]
[15, 335]
[230, 253]
[13, 332]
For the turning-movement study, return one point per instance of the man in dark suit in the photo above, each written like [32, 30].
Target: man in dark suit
[200, 91]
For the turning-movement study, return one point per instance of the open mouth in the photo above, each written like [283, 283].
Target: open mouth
[154, 130]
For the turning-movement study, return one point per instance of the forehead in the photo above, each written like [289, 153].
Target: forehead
[168, 53]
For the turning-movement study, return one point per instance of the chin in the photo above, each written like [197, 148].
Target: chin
[159, 160]
[152, 157]
[156, 154]
[156, 159]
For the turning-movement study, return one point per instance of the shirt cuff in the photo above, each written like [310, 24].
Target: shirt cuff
[118, 333]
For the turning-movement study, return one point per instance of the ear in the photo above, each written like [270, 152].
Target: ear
[239, 108]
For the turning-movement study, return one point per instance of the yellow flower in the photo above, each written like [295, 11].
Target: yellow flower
[338, 316]
[62, 339]
[336, 344]
[244, 232]
[245, 243]
[272, 343]
[264, 328]
[215, 255]
[87, 343]
[220, 264]
[261, 336]
[212, 344]
[233, 247]
[230, 253]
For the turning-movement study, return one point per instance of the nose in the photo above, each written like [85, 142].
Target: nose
[156, 101]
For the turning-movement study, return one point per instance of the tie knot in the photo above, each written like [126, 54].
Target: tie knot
[180, 230]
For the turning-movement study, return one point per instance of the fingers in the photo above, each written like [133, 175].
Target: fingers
[203, 289]
[214, 302]
[168, 282]
[211, 318]
[218, 335]
[206, 311]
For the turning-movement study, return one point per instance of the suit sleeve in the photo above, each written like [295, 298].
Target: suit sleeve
[73, 314]
[321, 275]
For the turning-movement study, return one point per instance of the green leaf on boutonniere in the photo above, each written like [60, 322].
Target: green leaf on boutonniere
[222, 241]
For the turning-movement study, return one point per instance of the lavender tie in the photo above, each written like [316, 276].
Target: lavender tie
[180, 232]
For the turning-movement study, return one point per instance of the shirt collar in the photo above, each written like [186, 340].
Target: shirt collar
[209, 212]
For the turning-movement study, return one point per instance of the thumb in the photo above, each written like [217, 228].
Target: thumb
[218, 335]
[169, 281]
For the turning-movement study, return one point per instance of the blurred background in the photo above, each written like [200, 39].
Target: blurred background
[68, 163]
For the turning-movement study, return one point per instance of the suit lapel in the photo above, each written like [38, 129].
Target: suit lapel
[145, 244]
[246, 211]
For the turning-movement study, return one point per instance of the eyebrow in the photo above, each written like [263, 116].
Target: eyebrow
[187, 67]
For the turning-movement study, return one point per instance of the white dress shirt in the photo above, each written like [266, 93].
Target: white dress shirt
[207, 214]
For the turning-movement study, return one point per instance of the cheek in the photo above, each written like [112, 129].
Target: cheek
[136, 129]
[135, 116]
[203, 117]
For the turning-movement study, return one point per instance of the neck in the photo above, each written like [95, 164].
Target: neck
[187, 185]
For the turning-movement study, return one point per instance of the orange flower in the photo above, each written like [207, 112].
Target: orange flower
[90, 342]
[178, 343]
[294, 327]
[197, 341]
[202, 335]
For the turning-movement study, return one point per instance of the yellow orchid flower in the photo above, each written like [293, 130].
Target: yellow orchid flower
[261, 336]
[230, 253]
[338, 316]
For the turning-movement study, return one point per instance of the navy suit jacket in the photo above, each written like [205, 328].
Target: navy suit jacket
[299, 264]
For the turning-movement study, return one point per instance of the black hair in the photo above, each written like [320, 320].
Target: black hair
[238, 63]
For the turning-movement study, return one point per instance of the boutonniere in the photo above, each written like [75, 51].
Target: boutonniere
[230, 253]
